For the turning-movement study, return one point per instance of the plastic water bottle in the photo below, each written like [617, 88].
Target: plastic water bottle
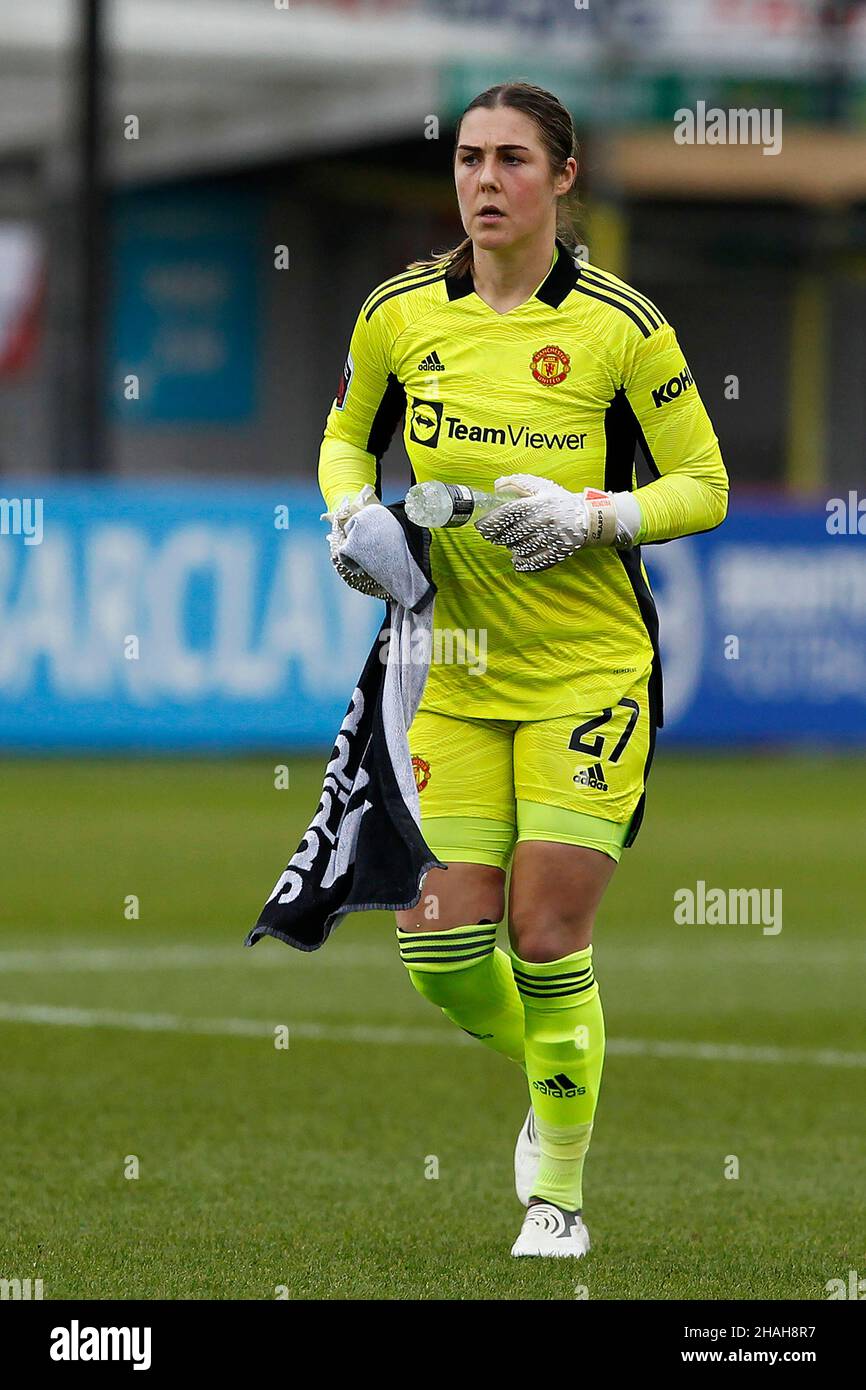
[452, 504]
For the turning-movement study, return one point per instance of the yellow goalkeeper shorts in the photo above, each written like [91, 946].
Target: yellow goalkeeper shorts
[485, 784]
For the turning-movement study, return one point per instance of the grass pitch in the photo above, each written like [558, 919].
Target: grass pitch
[146, 1044]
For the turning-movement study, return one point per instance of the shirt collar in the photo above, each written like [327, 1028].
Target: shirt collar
[561, 278]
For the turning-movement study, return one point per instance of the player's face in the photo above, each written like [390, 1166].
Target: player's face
[515, 179]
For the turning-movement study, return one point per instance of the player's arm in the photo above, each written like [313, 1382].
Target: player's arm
[359, 428]
[363, 416]
[690, 490]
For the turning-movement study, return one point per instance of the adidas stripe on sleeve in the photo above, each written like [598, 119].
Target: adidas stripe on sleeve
[689, 492]
[365, 412]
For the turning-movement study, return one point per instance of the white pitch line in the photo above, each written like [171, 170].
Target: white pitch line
[735, 1052]
[221, 1027]
[88, 959]
[398, 1037]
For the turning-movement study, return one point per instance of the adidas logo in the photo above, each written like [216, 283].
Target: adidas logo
[591, 777]
[560, 1086]
[431, 363]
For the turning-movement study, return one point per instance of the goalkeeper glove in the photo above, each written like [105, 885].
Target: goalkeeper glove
[549, 523]
[348, 514]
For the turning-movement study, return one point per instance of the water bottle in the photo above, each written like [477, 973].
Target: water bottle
[435, 504]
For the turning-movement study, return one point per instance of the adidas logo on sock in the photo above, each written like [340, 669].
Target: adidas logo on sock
[559, 1086]
[431, 363]
[591, 777]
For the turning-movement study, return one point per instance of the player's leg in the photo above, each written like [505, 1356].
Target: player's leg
[555, 892]
[580, 785]
[448, 941]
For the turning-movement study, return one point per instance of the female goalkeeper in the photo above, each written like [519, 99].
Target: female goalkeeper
[517, 364]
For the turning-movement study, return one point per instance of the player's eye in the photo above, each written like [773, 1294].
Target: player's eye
[468, 158]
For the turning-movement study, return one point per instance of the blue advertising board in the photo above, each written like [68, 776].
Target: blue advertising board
[186, 314]
[176, 616]
[207, 616]
[763, 625]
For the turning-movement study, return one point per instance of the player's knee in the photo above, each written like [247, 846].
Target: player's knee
[433, 916]
[545, 934]
[462, 896]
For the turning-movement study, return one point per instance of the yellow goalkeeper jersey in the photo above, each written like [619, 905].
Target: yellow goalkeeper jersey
[563, 386]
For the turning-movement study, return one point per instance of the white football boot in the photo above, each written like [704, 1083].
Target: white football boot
[527, 1156]
[548, 1230]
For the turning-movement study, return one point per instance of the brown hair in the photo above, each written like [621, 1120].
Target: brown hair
[556, 133]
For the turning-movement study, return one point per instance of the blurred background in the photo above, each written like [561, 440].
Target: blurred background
[196, 196]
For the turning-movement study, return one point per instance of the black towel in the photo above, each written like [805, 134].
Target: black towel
[363, 848]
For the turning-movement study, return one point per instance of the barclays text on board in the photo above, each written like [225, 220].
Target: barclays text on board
[208, 616]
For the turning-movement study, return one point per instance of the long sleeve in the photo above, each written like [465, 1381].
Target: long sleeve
[343, 470]
[690, 491]
[364, 414]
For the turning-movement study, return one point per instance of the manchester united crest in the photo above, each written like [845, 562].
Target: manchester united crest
[421, 769]
[550, 365]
